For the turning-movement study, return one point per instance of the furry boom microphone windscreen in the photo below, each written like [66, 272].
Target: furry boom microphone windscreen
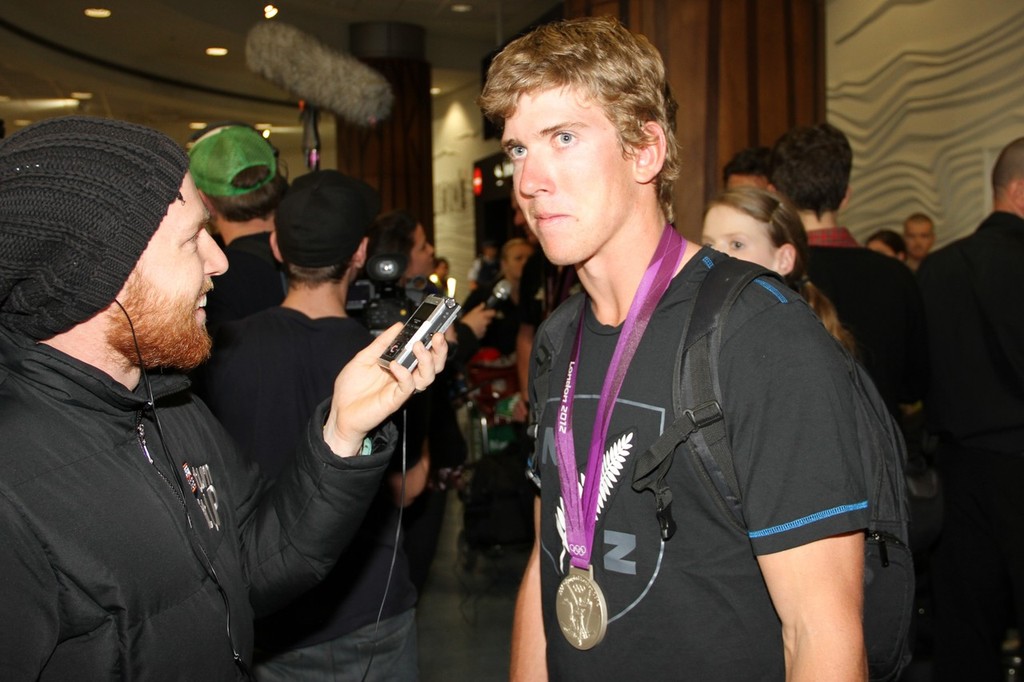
[313, 72]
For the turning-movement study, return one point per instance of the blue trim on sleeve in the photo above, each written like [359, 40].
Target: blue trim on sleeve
[792, 525]
[768, 287]
[708, 262]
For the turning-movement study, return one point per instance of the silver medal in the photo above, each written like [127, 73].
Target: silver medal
[581, 609]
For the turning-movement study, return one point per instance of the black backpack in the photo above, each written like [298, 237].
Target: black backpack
[700, 423]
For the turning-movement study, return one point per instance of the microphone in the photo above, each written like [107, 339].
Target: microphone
[501, 292]
[313, 72]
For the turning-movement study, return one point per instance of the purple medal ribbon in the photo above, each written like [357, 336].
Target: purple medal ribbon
[581, 510]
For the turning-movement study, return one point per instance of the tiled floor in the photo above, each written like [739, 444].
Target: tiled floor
[465, 612]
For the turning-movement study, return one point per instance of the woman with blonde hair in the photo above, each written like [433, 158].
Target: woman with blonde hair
[762, 227]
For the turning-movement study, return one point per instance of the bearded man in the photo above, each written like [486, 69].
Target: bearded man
[137, 543]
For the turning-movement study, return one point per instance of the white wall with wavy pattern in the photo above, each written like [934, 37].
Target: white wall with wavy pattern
[928, 92]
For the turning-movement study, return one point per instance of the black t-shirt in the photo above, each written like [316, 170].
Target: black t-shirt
[697, 605]
[269, 371]
[267, 374]
[878, 301]
[542, 287]
[974, 298]
[252, 282]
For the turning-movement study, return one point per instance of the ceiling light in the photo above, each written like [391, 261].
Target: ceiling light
[47, 105]
[4, 98]
[286, 130]
[266, 134]
[435, 91]
[20, 122]
[269, 11]
[196, 125]
[81, 95]
[262, 126]
[461, 7]
[216, 51]
[97, 12]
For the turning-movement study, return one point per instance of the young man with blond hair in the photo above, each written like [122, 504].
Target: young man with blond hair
[587, 121]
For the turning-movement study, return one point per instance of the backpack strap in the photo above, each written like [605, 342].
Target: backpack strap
[703, 425]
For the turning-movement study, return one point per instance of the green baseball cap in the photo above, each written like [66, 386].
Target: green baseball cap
[217, 157]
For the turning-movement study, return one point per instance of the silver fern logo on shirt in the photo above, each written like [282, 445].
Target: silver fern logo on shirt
[611, 469]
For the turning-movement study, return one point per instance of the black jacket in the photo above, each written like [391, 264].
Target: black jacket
[111, 567]
[974, 294]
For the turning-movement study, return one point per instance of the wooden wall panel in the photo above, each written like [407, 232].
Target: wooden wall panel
[597, 8]
[743, 71]
[772, 70]
[736, 68]
[395, 156]
[808, 64]
[689, 67]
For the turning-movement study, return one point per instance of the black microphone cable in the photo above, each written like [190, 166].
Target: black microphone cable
[394, 549]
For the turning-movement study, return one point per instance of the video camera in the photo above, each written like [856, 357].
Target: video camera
[379, 300]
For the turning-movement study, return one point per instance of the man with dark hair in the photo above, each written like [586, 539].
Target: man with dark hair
[587, 120]
[268, 373]
[432, 424]
[748, 168]
[811, 165]
[876, 297]
[973, 294]
[888, 243]
[137, 542]
[238, 175]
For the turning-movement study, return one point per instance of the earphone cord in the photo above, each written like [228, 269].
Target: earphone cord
[194, 543]
[394, 552]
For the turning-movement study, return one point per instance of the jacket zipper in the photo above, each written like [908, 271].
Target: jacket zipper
[140, 431]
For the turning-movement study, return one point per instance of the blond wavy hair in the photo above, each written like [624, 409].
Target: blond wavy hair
[622, 72]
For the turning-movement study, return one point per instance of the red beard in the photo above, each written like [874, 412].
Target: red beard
[166, 331]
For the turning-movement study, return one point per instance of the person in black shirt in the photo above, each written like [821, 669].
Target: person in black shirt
[876, 296]
[267, 374]
[241, 181]
[974, 298]
[587, 121]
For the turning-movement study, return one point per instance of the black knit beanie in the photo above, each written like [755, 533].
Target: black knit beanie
[80, 199]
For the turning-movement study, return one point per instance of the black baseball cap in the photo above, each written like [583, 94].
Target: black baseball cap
[323, 218]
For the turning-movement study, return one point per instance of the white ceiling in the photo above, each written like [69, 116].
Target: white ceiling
[147, 63]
